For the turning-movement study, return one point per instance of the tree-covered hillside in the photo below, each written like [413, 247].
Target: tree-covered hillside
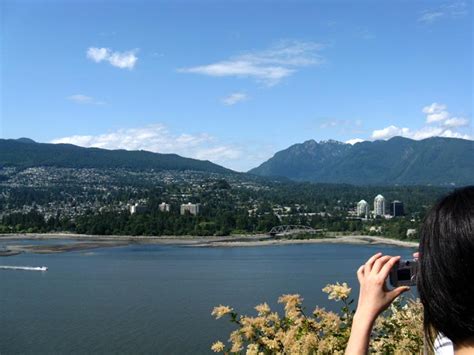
[25, 153]
[432, 161]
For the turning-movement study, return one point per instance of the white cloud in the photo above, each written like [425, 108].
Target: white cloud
[98, 54]
[433, 108]
[438, 113]
[84, 99]
[451, 134]
[268, 66]
[430, 16]
[422, 133]
[122, 60]
[330, 123]
[439, 122]
[437, 117]
[157, 138]
[425, 132]
[234, 98]
[435, 112]
[354, 141]
[449, 11]
[223, 152]
[456, 122]
[388, 132]
[457, 9]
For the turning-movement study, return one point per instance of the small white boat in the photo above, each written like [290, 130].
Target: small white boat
[26, 268]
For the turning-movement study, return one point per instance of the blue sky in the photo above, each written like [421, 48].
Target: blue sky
[234, 81]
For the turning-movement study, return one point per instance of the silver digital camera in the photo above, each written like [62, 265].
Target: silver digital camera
[404, 273]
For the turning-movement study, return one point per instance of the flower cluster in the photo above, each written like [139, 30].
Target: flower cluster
[402, 330]
[221, 311]
[337, 291]
[399, 330]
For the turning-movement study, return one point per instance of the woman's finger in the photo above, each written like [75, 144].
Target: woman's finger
[388, 266]
[371, 261]
[360, 273]
[397, 292]
[379, 263]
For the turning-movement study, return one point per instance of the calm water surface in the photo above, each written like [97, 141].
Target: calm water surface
[151, 299]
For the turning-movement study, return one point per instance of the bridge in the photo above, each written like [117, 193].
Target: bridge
[290, 229]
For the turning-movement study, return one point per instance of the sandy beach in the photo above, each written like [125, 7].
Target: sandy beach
[84, 242]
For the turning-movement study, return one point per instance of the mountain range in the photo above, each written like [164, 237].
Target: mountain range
[25, 153]
[403, 161]
[435, 161]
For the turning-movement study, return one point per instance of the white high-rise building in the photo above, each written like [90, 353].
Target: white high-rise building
[164, 207]
[363, 208]
[192, 208]
[379, 205]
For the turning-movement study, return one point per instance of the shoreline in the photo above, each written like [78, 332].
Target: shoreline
[85, 242]
[352, 239]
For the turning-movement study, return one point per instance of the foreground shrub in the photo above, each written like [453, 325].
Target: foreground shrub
[398, 330]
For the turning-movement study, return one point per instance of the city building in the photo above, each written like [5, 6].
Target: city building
[138, 208]
[363, 208]
[164, 207]
[379, 205]
[192, 208]
[397, 208]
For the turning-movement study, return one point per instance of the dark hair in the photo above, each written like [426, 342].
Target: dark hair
[446, 274]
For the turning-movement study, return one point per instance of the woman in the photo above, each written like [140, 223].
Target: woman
[445, 278]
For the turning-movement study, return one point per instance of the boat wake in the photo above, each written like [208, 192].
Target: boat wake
[26, 268]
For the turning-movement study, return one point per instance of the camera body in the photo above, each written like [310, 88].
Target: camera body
[404, 273]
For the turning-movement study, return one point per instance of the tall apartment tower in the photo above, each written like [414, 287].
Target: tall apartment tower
[164, 207]
[192, 208]
[397, 208]
[379, 205]
[363, 208]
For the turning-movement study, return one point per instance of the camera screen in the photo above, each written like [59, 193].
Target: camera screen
[404, 274]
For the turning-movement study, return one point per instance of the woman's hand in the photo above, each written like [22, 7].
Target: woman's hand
[374, 297]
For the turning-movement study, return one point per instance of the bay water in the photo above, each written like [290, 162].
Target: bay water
[155, 299]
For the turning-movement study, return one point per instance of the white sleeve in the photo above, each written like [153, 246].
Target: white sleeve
[443, 346]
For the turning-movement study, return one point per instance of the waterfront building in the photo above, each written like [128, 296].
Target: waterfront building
[192, 208]
[138, 208]
[379, 205]
[397, 208]
[164, 207]
[363, 208]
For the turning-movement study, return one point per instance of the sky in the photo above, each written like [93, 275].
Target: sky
[234, 82]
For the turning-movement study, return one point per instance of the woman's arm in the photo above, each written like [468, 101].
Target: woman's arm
[374, 298]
